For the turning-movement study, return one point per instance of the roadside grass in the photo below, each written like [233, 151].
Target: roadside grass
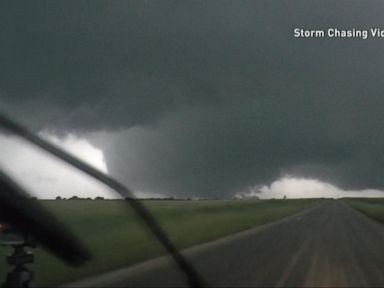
[372, 207]
[117, 238]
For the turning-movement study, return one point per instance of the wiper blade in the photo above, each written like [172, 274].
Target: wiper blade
[194, 279]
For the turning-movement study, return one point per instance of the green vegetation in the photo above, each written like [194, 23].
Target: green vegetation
[117, 238]
[372, 207]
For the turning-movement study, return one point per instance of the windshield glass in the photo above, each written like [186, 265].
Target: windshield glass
[191, 143]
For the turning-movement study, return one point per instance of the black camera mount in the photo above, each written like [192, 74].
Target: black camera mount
[20, 276]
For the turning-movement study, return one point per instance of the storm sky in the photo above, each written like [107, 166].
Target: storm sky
[202, 98]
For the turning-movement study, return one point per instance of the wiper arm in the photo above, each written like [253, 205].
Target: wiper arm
[31, 218]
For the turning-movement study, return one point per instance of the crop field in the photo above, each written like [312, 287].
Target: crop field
[372, 207]
[117, 238]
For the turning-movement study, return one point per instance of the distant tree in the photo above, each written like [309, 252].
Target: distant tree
[74, 198]
[285, 197]
[58, 198]
[99, 198]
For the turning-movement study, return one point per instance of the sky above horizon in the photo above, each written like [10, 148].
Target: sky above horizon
[197, 99]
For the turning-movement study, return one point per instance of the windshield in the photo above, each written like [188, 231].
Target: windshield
[205, 143]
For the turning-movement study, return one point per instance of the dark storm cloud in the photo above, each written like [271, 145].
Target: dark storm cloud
[208, 97]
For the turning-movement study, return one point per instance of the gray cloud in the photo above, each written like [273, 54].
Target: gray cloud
[204, 97]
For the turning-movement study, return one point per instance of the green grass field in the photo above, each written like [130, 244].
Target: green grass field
[372, 207]
[117, 238]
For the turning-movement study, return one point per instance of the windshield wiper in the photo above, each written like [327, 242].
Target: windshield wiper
[194, 279]
[34, 223]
